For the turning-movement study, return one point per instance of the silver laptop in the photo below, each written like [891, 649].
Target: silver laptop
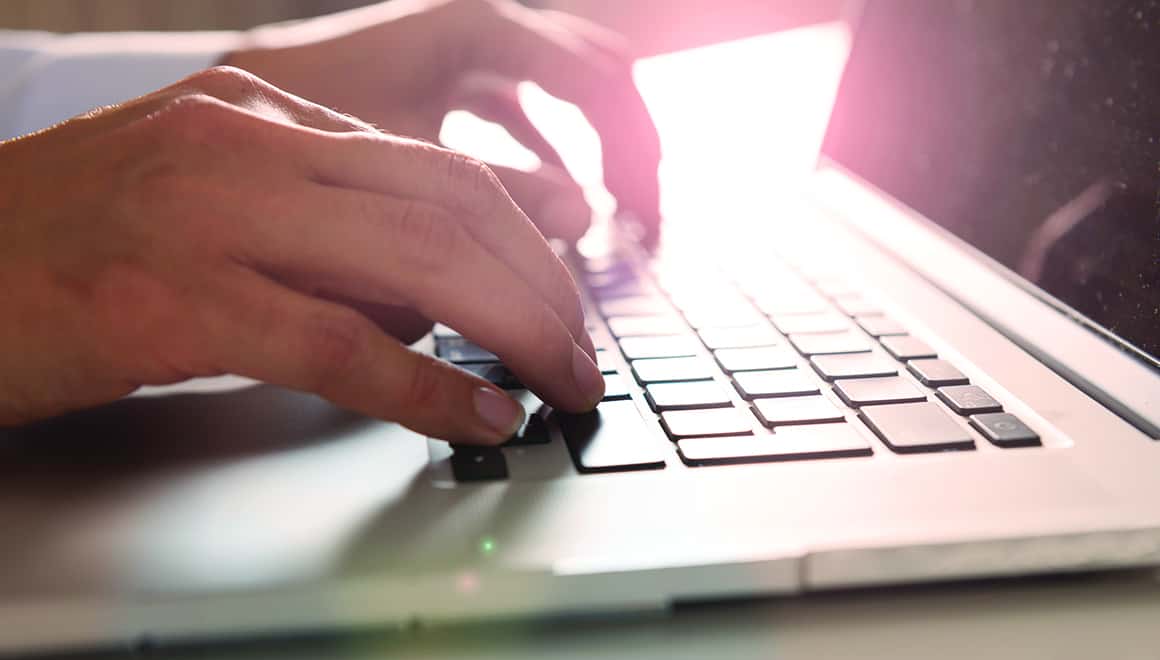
[937, 360]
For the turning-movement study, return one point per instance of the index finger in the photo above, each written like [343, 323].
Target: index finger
[568, 63]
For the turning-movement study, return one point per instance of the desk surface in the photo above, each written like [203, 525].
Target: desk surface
[1101, 616]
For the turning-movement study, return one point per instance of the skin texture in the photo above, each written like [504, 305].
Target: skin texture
[224, 226]
[228, 225]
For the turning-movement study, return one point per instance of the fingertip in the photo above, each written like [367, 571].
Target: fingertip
[498, 414]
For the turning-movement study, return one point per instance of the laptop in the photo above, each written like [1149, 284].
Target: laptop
[935, 360]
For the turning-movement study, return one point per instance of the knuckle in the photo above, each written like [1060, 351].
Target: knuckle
[221, 78]
[424, 386]
[196, 118]
[334, 343]
[432, 236]
[473, 184]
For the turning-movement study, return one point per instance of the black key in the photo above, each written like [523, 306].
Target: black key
[713, 422]
[877, 391]
[494, 373]
[795, 443]
[687, 396]
[854, 365]
[646, 326]
[797, 410]
[635, 348]
[936, 373]
[615, 387]
[534, 432]
[744, 336]
[968, 399]
[460, 351]
[636, 306]
[806, 324]
[668, 370]
[857, 306]
[831, 344]
[880, 326]
[1005, 430]
[916, 427]
[470, 463]
[907, 347]
[778, 382]
[756, 358]
[605, 362]
[611, 438]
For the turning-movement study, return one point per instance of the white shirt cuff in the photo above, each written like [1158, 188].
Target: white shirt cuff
[62, 76]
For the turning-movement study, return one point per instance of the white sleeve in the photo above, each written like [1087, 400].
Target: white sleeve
[46, 78]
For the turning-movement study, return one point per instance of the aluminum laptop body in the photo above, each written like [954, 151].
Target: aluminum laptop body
[260, 511]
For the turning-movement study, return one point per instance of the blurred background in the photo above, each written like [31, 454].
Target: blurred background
[655, 25]
[740, 89]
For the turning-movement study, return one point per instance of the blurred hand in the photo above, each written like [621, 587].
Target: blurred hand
[403, 65]
[224, 226]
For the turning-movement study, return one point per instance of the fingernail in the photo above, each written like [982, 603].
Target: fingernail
[498, 412]
[588, 378]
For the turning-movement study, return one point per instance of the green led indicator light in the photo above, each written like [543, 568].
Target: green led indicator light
[487, 546]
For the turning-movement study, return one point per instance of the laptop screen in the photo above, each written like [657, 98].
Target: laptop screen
[1029, 128]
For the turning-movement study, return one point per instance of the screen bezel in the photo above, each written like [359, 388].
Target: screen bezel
[856, 13]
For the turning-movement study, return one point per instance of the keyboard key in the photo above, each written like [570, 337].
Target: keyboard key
[810, 323]
[635, 348]
[687, 396]
[916, 427]
[494, 373]
[471, 463]
[857, 306]
[877, 391]
[713, 422]
[635, 306]
[646, 326]
[729, 317]
[880, 326]
[666, 370]
[780, 382]
[1005, 430]
[907, 347]
[968, 399]
[805, 303]
[756, 358]
[830, 344]
[794, 443]
[611, 438]
[836, 287]
[605, 361]
[797, 410]
[740, 337]
[461, 351]
[615, 387]
[936, 373]
[533, 432]
[854, 365]
[441, 331]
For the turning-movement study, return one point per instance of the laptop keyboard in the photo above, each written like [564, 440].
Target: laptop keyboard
[737, 367]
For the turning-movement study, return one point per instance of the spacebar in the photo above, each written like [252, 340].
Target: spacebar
[611, 438]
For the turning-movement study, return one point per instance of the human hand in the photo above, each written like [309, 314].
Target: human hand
[403, 65]
[224, 226]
